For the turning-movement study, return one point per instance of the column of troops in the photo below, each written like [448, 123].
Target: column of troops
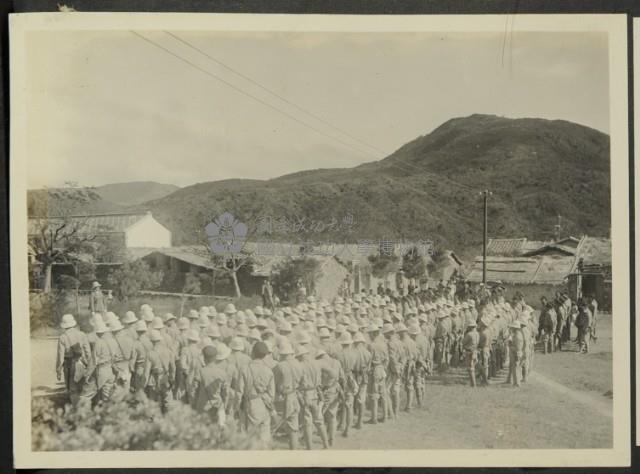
[317, 368]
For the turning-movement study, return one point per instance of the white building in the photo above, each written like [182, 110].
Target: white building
[133, 229]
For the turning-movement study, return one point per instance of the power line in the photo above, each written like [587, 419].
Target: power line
[404, 167]
[273, 93]
[241, 91]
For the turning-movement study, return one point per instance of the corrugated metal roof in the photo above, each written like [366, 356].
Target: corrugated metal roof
[93, 224]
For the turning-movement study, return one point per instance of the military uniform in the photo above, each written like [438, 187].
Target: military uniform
[73, 352]
[258, 390]
[470, 347]
[287, 378]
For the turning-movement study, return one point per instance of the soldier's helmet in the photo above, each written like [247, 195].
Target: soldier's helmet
[115, 325]
[213, 331]
[157, 323]
[68, 321]
[193, 314]
[222, 351]
[301, 350]
[240, 317]
[129, 317]
[183, 323]
[414, 329]
[236, 344]
[388, 328]
[192, 335]
[345, 338]
[230, 309]
[359, 337]
[304, 338]
[285, 347]
[203, 321]
[242, 330]
[254, 334]
[155, 335]
[141, 326]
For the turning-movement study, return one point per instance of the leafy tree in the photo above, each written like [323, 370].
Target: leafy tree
[287, 273]
[383, 263]
[56, 233]
[439, 261]
[132, 277]
[413, 264]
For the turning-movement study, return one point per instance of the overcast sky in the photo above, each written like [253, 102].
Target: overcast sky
[109, 107]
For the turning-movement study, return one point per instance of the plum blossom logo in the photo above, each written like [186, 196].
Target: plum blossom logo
[226, 234]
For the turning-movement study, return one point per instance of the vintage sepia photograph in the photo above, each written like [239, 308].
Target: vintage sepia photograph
[319, 240]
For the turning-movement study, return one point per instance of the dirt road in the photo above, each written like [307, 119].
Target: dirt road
[567, 403]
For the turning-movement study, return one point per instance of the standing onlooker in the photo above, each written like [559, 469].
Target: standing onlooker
[97, 303]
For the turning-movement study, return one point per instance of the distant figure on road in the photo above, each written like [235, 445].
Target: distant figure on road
[593, 307]
[583, 323]
[97, 303]
[267, 295]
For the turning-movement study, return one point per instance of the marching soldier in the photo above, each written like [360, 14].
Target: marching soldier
[516, 353]
[160, 372]
[211, 387]
[122, 357]
[287, 378]
[331, 389]
[361, 372]
[485, 338]
[410, 364]
[257, 387]
[395, 367]
[103, 362]
[189, 365]
[378, 373]
[73, 353]
[309, 395]
[470, 346]
[139, 359]
[348, 358]
[583, 323]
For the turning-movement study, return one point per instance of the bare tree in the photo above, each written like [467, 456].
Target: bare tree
[223, 242]
[57, 234]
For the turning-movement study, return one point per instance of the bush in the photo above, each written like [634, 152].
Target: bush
[288, 272]
[46, 309]
[130, 423]
[132, 277]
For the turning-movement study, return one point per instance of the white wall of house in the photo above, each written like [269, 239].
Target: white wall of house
[147, 232]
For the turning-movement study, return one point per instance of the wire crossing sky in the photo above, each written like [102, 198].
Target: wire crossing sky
[185, 107]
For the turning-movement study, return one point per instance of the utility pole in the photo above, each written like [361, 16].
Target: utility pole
[485, 195]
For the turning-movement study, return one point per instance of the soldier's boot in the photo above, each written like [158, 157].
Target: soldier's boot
[374, 412]
[323, 436]
[409, 400]
[395, 404]
[331, 430]
[293, 440]
[384, 405]
[419, 396]
[307, 433]
[348, 421]
[359, 416]
[342, 415]
[472, 377]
